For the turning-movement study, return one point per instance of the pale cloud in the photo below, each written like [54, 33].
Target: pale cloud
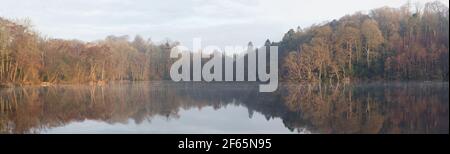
[218, 22]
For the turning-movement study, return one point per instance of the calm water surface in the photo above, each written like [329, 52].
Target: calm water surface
[167, 107]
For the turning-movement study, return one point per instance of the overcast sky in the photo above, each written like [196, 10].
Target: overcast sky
[217, 22]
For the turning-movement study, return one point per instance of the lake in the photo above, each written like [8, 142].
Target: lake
[168, 107]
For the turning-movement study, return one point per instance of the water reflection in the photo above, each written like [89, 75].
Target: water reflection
[365, 108]
[370, 108]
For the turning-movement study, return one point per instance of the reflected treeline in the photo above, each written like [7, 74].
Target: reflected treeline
[368, 108]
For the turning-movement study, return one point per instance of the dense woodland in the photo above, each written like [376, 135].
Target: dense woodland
[407, 43]
[27, 58]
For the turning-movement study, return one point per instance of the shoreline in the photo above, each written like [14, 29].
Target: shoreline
[283, 83]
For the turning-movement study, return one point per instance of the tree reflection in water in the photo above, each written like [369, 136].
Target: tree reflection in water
[363, 108]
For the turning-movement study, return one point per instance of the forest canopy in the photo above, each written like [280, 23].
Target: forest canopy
[388, 43]
[27, 58]
[406, 43]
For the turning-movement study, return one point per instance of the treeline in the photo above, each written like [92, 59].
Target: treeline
[388, 43]
[27, 58]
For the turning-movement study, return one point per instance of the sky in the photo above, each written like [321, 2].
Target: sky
[216, 22]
